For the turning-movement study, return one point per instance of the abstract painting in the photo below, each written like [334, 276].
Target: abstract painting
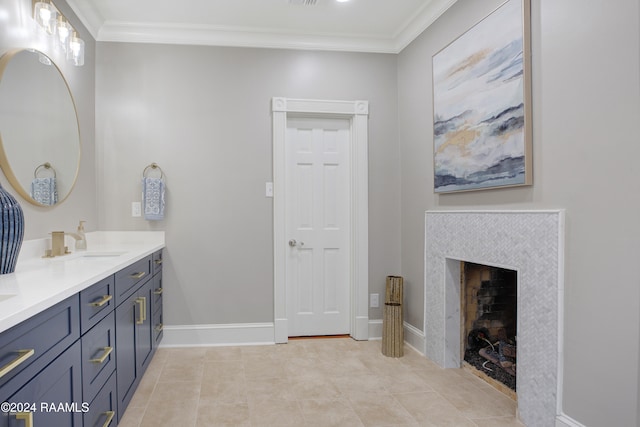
[481, 104]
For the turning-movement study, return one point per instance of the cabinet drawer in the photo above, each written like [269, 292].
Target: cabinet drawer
[157, 261]
[103, 409]
[157, 290]
[129, 277]
[157, 324]
[40, 339]
[98, 356]
[96, 302]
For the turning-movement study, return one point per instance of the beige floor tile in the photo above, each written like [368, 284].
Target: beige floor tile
[223, 390]
[223, 415]
[275, 412]
[189, 373]
[498, 422]
[313, 383]
[431, 409]
[223, 369]
[380, 410]
[175, 393]
[329, 413]
[165, 414]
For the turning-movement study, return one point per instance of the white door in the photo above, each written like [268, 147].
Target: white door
[317, 226]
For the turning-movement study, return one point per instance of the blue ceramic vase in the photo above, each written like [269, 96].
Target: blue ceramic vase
[11, 231]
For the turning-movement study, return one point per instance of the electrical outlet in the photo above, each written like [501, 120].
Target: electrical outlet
[374, 300]
[136, 209]
[269, 189]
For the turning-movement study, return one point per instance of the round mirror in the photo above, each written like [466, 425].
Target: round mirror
[39, 133]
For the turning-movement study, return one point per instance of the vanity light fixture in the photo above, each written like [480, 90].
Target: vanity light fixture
[45, 14]
[56, 25]
[76, 50]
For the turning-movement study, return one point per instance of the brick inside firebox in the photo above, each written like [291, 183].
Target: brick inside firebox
[490, 302]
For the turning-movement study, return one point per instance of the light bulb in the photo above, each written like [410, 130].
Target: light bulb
[45, 15]
[63, 30]
[76, 50]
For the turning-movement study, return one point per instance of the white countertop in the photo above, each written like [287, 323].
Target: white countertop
[39, 283]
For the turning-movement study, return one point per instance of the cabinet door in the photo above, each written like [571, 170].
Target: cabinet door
[144, 333]
[104, 407]
[56, 393]
[134, 342]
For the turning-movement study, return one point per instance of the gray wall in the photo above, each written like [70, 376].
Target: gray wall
[203, 114]
[18, 30]
[586, 105]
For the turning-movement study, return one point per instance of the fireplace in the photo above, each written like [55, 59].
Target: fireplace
[488, 308]
[529, 243]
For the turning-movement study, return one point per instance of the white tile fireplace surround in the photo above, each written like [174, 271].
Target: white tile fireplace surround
[530, 242]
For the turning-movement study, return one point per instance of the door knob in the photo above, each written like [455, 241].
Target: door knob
[292, 242]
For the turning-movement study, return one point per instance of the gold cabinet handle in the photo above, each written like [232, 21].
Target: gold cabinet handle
[160, 327]
[27, 417]
[110, 415]
[142, 301]
[106, 352]
[22, 356]
[158, 261]
[138, 275]
[105, 299]
[158, 291]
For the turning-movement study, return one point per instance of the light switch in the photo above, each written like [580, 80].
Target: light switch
[269, 189]
[136, 209]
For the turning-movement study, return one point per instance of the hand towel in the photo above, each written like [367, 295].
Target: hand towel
[44, 191]
[153, 198]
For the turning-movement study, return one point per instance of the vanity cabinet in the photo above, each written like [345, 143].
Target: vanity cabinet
[137, 337]
[87, 353]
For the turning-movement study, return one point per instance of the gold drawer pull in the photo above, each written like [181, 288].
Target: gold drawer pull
[105, 299]
[27, 417]
[110, 415]
[158, 291]
[138, 275]
[101, 359]
[158, 261]
[22, 356]
[160, 327]
[142, 301]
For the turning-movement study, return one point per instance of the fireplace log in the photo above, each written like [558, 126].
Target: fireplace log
[392, 325]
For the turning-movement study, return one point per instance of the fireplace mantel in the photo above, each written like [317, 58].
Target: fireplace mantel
[529, 242]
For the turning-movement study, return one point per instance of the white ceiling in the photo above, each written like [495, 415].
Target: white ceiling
[357, 25]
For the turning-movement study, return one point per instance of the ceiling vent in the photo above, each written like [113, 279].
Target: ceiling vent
[304, 2]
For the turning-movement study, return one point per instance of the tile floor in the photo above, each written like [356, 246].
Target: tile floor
[319, 382]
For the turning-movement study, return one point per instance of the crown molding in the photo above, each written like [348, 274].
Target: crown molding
[238, 37]
[88, 15]
[207, 35]
[421, 21]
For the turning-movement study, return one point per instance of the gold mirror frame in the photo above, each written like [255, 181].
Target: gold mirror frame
[5, 161]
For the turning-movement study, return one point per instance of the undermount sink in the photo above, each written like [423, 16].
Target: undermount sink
[96, 254]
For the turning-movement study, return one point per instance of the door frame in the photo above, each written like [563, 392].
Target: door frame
[357, 112]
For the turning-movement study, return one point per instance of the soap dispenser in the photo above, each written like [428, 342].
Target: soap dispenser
[81, 242]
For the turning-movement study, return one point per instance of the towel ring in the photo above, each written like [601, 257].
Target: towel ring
[46, 165]
[152, 166]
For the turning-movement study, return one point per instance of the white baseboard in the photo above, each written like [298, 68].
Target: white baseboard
[563, 420]
[413, 336]
[218, 335]
[375, 329]
[259, 333]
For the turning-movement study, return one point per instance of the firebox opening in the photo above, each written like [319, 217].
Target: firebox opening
[489, 320]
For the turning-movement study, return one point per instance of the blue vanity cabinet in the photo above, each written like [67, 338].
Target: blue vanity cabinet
[103, 410]
[134, 341]
[54, 395]
[156, 307]
[34, 343]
